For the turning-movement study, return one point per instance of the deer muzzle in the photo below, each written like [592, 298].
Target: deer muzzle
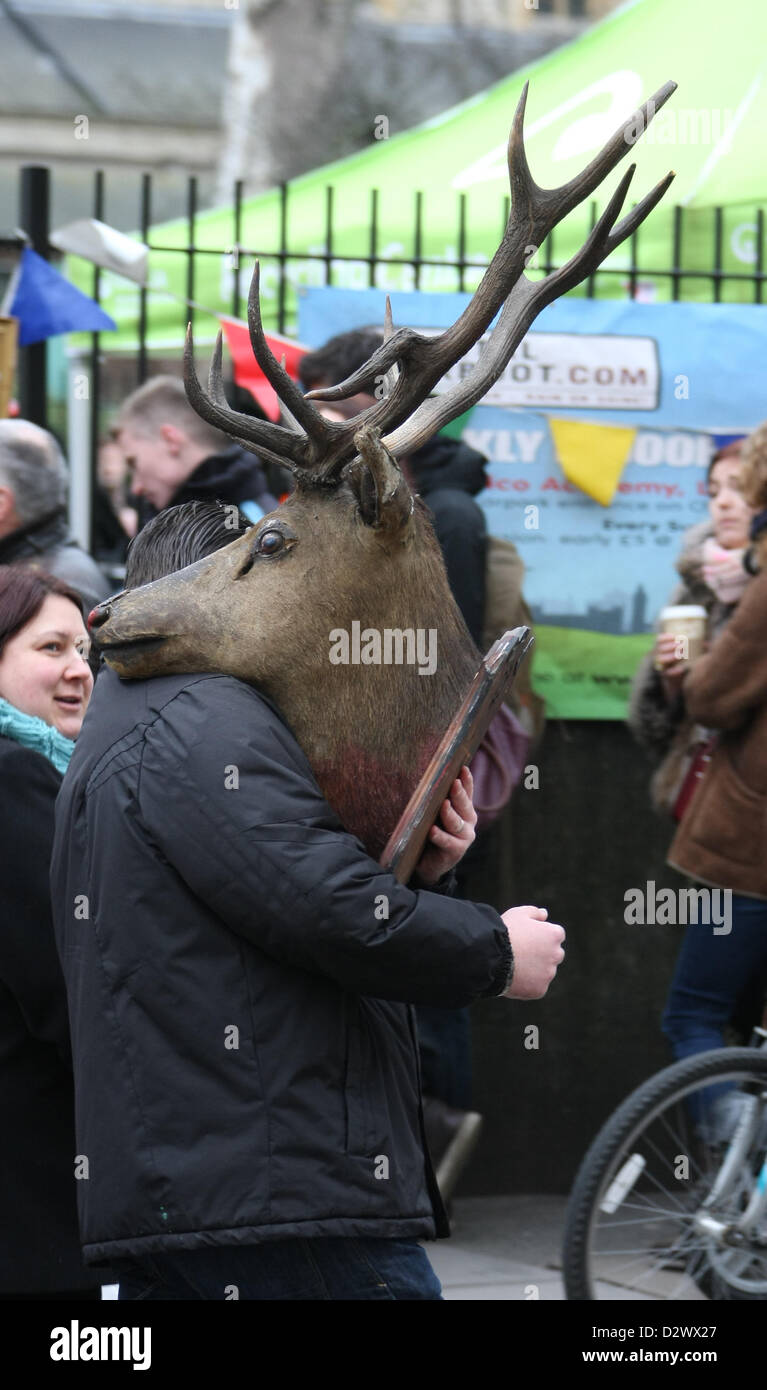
[117, 644]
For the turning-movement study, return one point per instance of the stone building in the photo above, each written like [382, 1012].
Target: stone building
[260, 90]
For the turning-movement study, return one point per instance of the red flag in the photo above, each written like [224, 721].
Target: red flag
[247, 372]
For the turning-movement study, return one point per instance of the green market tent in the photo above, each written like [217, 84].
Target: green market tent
[711, 132]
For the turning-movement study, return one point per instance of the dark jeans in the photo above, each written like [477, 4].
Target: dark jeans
[317, 1268]
[712, 973]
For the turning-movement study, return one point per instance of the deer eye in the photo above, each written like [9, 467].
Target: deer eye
[270, 543]
[276, 537]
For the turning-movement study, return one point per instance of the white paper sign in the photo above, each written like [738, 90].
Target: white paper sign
[572, 371]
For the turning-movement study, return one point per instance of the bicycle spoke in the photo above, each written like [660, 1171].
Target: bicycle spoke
[638, 1220]
[688, 1148]
[672, 1253]
[676, 1140]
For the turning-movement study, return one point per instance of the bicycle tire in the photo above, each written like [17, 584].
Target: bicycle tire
[625, 1126]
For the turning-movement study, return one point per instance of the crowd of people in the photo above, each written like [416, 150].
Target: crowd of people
[223, 1070]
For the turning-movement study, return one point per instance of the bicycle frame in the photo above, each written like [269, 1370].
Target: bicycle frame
[732, 1166]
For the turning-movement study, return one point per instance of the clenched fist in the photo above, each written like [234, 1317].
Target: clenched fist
[537, 947]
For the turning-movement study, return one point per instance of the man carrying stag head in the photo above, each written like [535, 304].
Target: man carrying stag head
[241, 968]
[240, 977]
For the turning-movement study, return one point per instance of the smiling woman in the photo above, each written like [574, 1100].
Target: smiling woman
[45, 686]
[44, 671]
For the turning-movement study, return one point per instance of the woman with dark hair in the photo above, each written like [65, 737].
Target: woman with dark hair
[45, 686]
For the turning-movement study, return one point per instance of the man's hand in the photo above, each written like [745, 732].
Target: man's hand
[537, 947]
[446, 846]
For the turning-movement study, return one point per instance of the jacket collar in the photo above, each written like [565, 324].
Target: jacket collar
[231, 474]
[36, 537]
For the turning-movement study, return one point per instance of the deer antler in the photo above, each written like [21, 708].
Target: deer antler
[318, 450]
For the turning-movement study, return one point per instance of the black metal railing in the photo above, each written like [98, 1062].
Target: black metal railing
[35, 197]
[673, 271]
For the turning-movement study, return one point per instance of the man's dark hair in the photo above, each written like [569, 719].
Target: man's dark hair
[339, 357]
[180, 535]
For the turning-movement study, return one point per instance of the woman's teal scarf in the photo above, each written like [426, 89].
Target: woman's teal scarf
[34, 733]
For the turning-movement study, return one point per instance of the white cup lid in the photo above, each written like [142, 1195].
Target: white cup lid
[683, 610]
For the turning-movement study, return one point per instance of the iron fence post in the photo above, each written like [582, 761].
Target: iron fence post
[34, 215]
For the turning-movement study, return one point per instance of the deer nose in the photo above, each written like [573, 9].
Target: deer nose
[102, 612]
[99, 615]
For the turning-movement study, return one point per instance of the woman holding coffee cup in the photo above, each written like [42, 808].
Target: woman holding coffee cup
[713, 578]
[721, 842]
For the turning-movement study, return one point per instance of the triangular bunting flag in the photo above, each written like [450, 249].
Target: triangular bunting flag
[592, 456]
[45, 303]
[104, 246]
[247, 372]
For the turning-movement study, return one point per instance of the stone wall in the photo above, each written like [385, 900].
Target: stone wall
[575, 846]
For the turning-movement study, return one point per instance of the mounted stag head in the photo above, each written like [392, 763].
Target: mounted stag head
[351, 551]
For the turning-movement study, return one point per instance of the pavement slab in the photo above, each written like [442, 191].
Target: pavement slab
[509, 1248]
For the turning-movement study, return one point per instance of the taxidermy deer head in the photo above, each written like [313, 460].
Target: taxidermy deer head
[337, 605]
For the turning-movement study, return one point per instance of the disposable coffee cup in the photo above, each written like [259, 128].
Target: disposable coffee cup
[687, 621]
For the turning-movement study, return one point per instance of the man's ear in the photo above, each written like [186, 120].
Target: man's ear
[173, 437]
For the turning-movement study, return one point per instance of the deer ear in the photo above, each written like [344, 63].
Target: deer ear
[384, 498]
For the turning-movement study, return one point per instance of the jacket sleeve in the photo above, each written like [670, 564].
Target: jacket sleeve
[236, 811]
[652, 719]
[724, 687]
[29, 962]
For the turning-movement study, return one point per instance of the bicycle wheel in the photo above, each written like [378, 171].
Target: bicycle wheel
[654, 1205]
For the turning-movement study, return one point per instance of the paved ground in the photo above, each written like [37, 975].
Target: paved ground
[501, 1247]
[506, 1248]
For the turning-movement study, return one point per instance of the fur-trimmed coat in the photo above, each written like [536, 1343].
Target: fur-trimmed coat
[666, 730]
[722, 840]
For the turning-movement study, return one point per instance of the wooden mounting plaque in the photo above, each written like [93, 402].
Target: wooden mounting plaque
[488, 690]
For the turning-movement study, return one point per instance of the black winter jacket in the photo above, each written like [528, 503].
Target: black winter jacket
[448, 475]
[235, 475]
[236, 968]
[39, 1243]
